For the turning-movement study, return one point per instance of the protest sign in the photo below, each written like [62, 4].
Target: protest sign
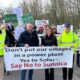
[28, 18]
[10, 18]
[41, 23]
[20, 58]
[60, 28]
[19, 13]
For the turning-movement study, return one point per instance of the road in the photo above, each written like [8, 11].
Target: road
[39, 74]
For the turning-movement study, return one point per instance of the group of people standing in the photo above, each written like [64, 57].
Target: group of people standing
[29, 38]
[67, 38]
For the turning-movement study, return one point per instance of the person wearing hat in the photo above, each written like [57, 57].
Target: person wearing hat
[68, 39]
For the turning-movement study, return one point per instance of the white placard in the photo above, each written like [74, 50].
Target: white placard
[20, 58]
[41, 23]
[60, 28]
[18, 12]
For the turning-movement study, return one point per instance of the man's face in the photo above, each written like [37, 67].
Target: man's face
[67, 29]
[29, 27]
[41, 29]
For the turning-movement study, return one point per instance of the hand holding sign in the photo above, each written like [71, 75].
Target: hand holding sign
[26, 45]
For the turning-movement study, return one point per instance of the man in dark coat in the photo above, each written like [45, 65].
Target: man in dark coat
[28, 38]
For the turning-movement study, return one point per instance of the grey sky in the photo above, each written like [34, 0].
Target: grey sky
[13, 3]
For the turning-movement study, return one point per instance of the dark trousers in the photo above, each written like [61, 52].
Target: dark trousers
[49, 75]
[68, 72]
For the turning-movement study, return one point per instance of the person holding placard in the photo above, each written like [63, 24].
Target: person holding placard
[49, 40]
[27, 39]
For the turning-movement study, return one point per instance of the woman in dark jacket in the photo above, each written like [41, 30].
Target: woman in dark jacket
[49, 40]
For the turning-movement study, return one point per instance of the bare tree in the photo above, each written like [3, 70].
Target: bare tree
[57, 11]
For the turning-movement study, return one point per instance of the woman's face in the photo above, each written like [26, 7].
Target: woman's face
[54, 30]
[48, 31]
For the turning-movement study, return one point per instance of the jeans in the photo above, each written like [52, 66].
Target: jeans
[23, 74]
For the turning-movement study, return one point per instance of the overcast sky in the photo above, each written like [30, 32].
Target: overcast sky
[7, 3]
[13, 3]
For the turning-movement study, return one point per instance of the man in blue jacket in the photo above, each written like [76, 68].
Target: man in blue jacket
[28, 38]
